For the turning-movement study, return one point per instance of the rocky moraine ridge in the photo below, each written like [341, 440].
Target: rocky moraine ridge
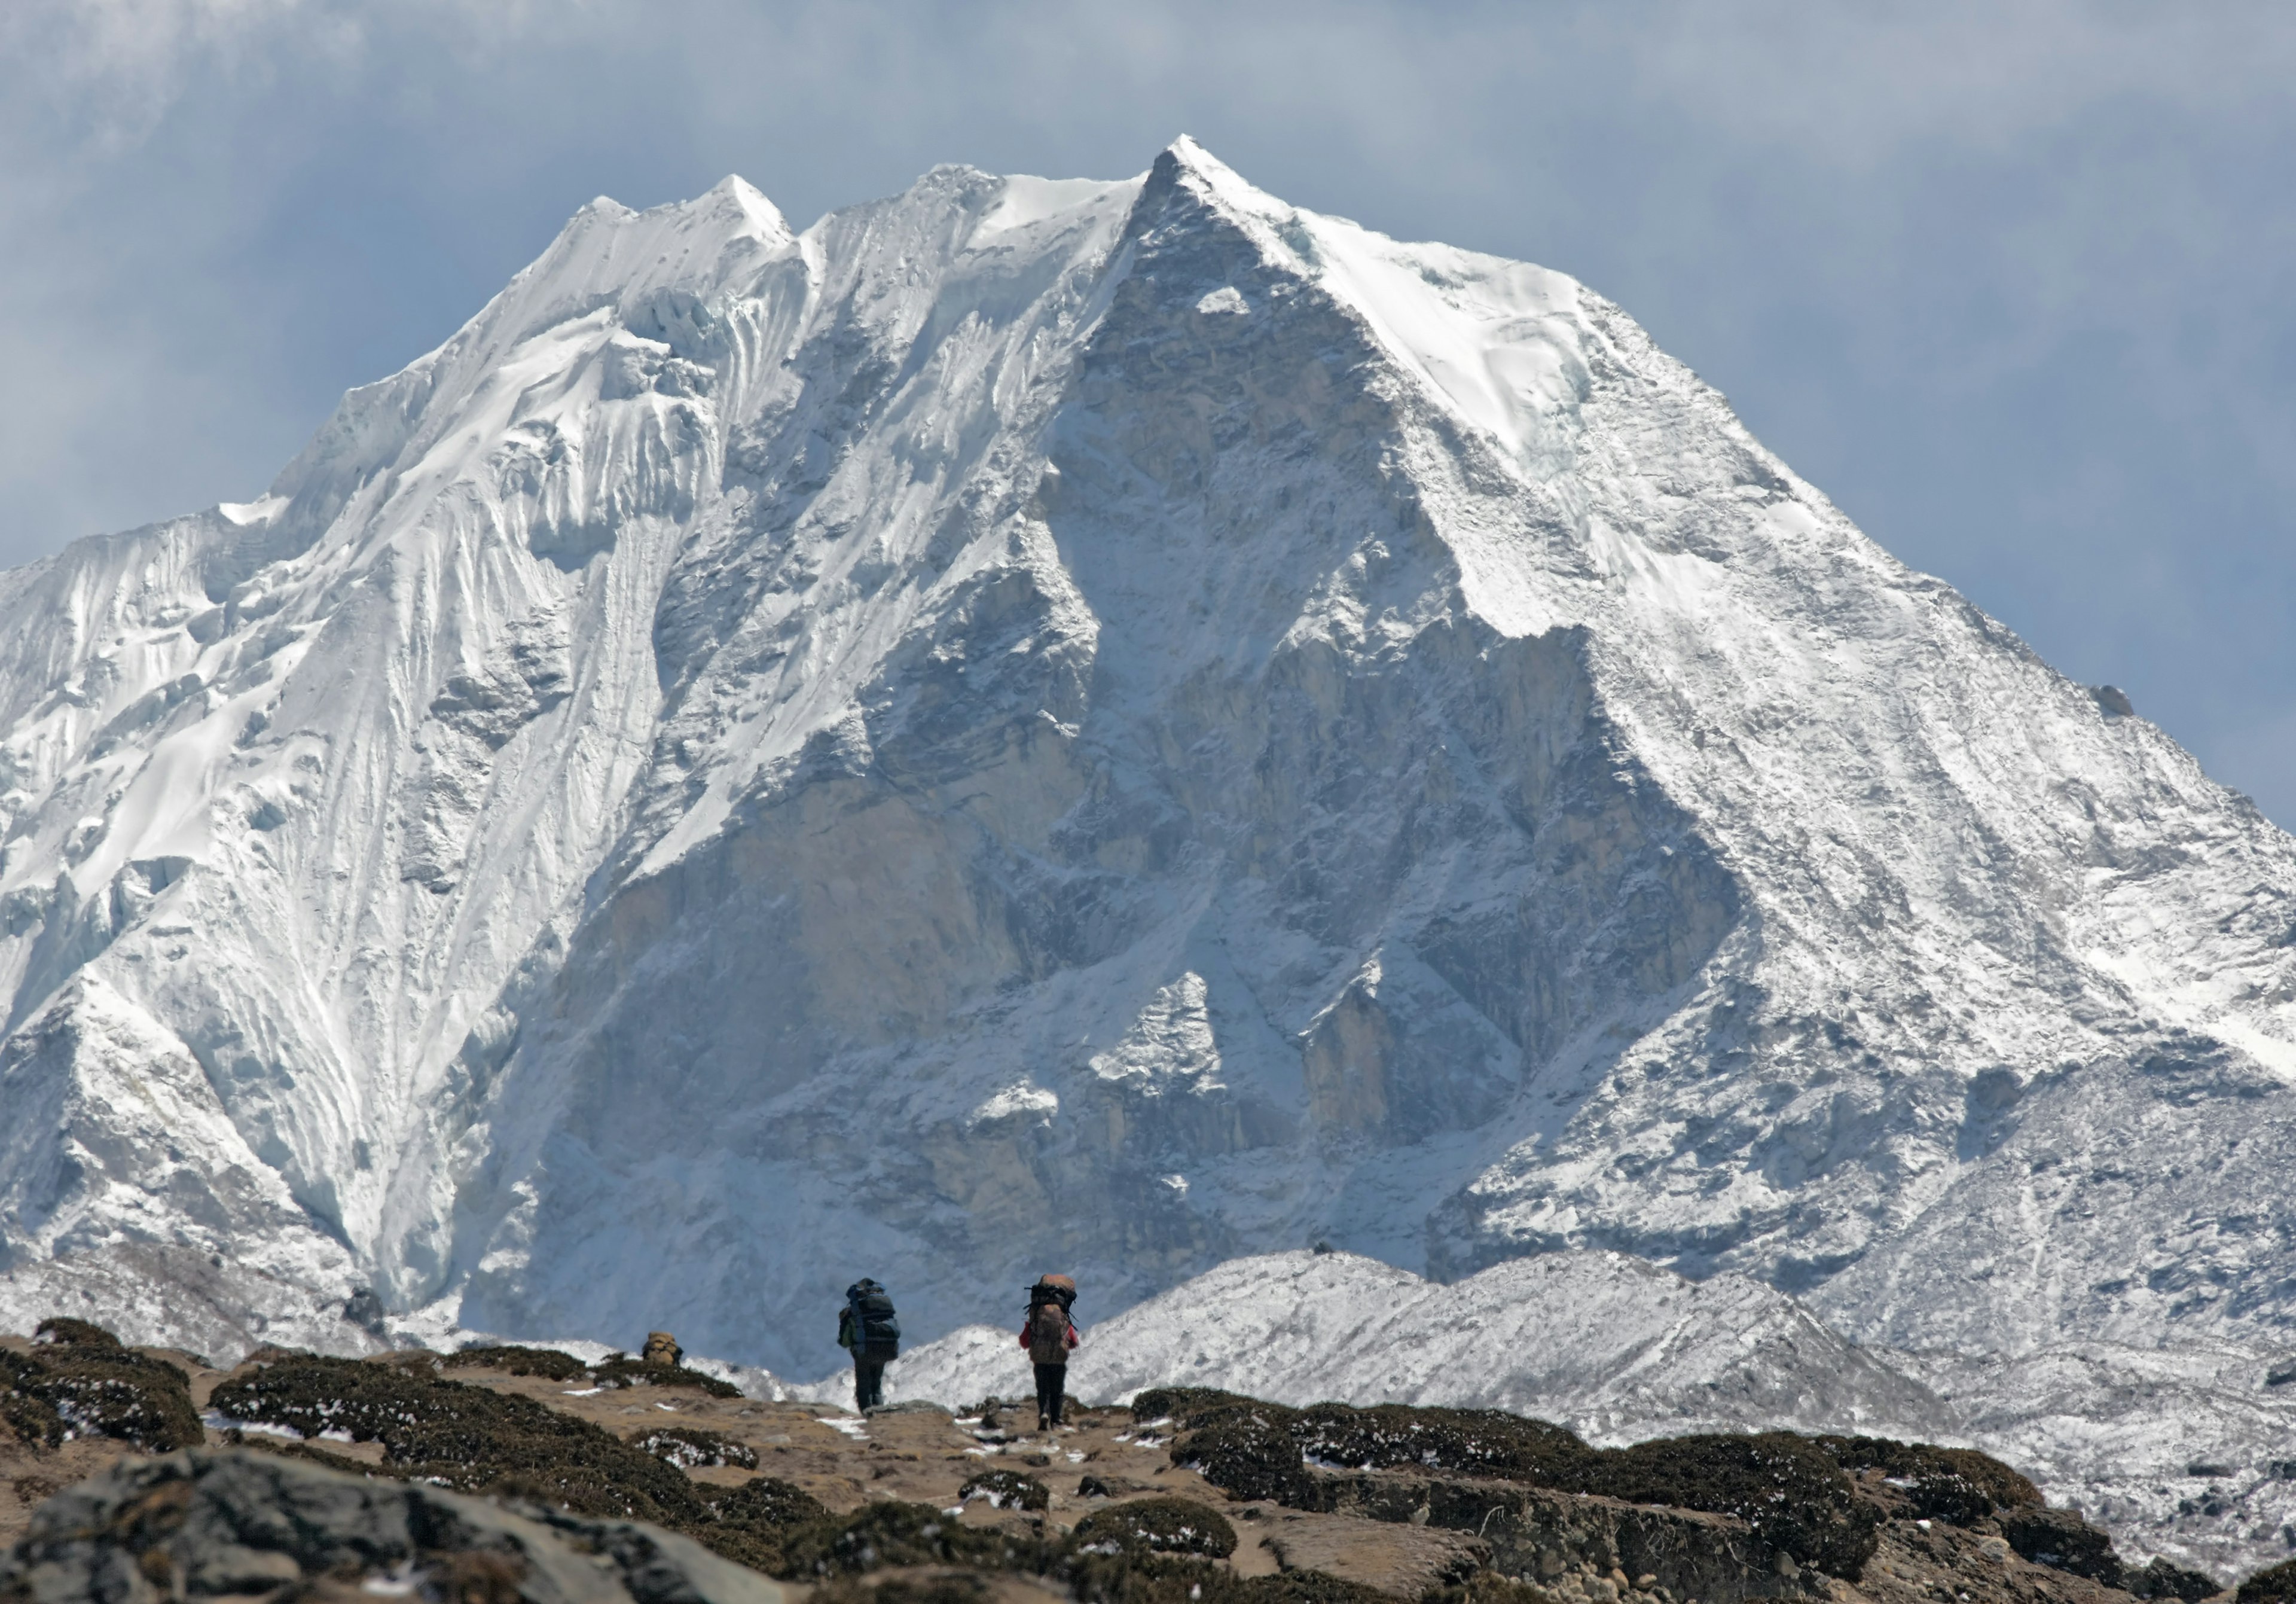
[503, 1473]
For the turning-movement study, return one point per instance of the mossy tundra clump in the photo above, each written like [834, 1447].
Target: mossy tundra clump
[510, 1359]
[468, 1438]
[1005, 1490]
[2274, 1585]
[1158, 1525]
[1166, 1550]
[619, 1369]
[1787, 1488]
[695, 1448]
[752, 1524]
[894, 1534]
[1246, 1451]
[1958, 1485]
[81, 1381]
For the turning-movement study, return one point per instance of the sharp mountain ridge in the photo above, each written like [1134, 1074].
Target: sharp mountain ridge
[1115, 725]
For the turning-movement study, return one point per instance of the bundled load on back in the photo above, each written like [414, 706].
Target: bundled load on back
[1048, 1333]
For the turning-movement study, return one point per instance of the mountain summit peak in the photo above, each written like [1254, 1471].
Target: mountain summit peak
[1185, 161]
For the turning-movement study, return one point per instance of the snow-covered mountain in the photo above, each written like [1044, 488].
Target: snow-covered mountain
[1112, 726]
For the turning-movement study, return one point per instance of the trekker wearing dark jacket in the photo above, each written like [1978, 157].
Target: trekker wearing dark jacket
[1048, 1334]
[867, 1325]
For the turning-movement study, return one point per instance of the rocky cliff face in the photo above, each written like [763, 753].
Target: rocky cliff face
[1108, 725]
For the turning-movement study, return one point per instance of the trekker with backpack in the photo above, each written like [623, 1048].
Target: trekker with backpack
[1048, 1334]
[867, 1325]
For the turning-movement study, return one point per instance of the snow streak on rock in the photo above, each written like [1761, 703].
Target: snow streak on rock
[1106, 725]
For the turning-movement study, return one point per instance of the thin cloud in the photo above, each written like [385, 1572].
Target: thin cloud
[107, 70]
[1849, 82]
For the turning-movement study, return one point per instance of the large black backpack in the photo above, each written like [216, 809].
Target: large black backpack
[876, 1333]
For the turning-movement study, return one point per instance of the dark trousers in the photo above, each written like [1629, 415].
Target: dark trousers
[868, 1382]
[1051, 1379]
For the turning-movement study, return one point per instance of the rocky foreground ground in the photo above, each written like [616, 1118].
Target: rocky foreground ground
[134, 1476]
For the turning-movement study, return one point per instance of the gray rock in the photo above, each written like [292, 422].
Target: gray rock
[208, 1523]
[2114, 701]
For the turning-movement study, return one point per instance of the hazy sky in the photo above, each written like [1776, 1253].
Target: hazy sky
[2016, 283]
